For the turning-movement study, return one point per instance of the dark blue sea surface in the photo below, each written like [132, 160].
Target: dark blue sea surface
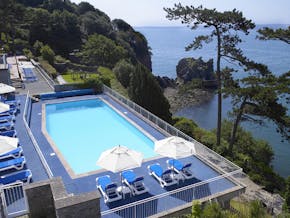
[168, 47]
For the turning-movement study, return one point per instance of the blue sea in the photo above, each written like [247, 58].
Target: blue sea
[168, 47]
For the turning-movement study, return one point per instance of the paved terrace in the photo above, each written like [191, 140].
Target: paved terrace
[87, 183]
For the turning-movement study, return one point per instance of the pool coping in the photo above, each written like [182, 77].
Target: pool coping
[61, 157]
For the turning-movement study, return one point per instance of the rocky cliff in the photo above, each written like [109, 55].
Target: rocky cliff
[190, 68]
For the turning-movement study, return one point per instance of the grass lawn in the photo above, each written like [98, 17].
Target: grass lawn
[103, 72]
[77, 77]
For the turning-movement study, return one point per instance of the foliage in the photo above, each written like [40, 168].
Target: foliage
[224, 26]
[48, 68]
[60, 59]
[78, 77]
[47, 54]
[278, 34]
[84, 7]
[94, 83]
[27, 53]
[257, 210]
[286, 207]
[185, 125]
[145, 91]
[92, 22]
[255, 157]
[123, 69]
[37, 47]
[212, 210]
[134, 42]
[100, 50]
[114, 83]
[11, 14]
[196, 210]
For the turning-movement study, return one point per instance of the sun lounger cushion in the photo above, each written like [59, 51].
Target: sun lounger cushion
[16, 153]
[6, 125]
[17, 163]
[23, 175]
[10, 133]
[135, 183]
[179, 167]
[164, 177]
[7, 118]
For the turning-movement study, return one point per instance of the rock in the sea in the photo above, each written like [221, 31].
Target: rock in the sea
[165, 82]
[191, 68]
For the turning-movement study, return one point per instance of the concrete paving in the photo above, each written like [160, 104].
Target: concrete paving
[22, 87]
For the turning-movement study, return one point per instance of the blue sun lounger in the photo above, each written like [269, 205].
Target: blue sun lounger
[179, 167]
[17, 163]
[6, 126]
[136, 184]
[16, 153]
[7, 118]
[10, 133]
[163, 177]
[108, 189]
[23, 176]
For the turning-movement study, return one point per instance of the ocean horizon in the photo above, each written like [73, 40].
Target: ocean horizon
[168, 44]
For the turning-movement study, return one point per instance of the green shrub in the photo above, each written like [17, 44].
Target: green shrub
[47, 54]
[48, 68]
[27, 53]
[123, 69]
[60, 59]
[37, 47]
[94, 83]
[185, 125]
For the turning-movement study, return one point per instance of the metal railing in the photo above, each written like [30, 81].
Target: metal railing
[205, 190]
[207, 155]
[28, 105]
[45, 76]
[14, 200]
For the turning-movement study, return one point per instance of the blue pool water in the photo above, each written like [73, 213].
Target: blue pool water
[82, 130]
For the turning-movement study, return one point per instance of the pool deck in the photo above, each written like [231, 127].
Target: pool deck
[87, 183]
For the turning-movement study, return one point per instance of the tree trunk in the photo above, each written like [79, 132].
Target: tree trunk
[218, 73]
[235, 126]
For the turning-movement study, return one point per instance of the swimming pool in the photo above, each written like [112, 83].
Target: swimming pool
[82, 130]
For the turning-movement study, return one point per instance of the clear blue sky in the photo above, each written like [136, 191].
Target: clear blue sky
[151, 13]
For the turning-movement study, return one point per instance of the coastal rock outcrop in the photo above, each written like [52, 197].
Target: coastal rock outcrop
[191, 68]
[165, 81]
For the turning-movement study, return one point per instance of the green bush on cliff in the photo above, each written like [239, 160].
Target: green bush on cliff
[145, 91]
[123, 69]
[102, 51]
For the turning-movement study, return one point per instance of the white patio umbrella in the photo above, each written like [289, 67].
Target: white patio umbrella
[4, 88]
[4, 107]
[174, 147]
[120, 158]
[7, 144]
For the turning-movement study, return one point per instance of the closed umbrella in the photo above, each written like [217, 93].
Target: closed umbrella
[4, 107]
[174, 147]
[4, 88]
[7, 144]
[120, 158]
